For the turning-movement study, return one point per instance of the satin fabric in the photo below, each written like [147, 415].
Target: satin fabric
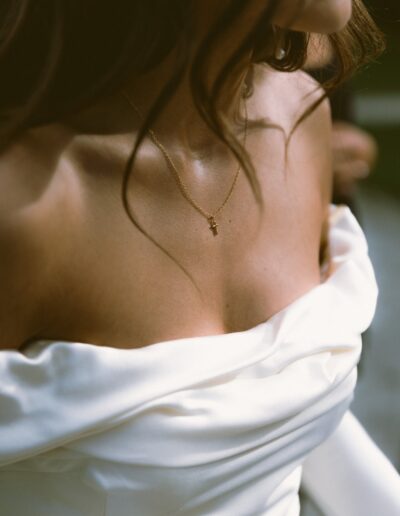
[219, 425]
[348, 475]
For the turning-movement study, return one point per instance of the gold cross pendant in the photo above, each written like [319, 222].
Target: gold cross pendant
[213, 225]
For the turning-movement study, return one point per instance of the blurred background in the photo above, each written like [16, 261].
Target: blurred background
[372, 103]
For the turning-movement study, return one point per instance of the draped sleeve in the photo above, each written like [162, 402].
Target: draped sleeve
[220, 424]
[349, 475]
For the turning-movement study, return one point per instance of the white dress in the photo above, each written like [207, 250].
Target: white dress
[222, 425]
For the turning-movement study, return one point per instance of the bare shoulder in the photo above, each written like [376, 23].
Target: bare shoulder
[296, 102]
[314, 132]
[288, 95]
[311, 101]
[17, 279]
[25, 183]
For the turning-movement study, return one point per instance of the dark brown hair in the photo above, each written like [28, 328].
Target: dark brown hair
[60, 56]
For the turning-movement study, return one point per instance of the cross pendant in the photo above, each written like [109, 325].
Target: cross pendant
[213, 225]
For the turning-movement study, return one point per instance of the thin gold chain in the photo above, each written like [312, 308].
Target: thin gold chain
[184, 190]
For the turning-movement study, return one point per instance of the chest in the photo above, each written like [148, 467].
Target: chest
[116, 287]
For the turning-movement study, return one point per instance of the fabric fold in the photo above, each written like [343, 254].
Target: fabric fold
[204, 423]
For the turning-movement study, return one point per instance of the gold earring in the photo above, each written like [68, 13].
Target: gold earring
[280, 40]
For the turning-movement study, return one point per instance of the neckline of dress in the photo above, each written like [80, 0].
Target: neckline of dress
[260, 327]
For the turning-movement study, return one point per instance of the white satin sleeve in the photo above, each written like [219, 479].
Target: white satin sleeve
[349, 475]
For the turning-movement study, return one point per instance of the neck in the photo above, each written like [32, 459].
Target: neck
[179, 124]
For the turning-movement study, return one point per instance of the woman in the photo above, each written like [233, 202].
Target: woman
[176, 352]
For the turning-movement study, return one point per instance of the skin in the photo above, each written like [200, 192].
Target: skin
[74, 266]
[318, 16]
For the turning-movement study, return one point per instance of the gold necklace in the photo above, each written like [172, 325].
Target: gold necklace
[213, 226]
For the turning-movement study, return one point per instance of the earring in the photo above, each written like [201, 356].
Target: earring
[280, 54]
[280, 40]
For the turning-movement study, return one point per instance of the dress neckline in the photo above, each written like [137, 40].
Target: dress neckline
[214, 336]
[336, 213]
